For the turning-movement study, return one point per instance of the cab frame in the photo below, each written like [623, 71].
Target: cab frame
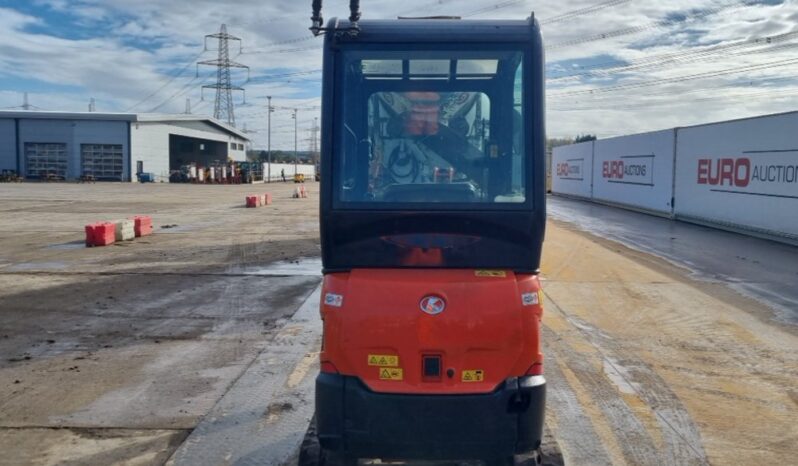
[348, 231]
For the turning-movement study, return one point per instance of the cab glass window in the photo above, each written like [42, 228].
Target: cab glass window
[436, 127]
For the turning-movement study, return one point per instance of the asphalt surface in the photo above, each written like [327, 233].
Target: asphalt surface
[652, 356]
[764, 270]
[115, 355]
[187, 346]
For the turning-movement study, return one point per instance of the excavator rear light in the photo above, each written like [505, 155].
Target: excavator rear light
[328, 367]
[535, 369]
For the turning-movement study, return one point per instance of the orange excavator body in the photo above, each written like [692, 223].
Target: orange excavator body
[487, 331]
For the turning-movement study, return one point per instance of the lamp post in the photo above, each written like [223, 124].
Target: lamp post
[296, 156]
[269, 137]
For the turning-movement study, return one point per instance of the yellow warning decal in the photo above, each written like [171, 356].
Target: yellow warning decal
[383, 360]
[475, 375]
[391, 373]
[490, 273]
[540, 297]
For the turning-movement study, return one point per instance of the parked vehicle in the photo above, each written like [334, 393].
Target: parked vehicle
[432, 223]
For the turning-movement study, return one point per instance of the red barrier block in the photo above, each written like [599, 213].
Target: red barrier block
[253, 201]
[142, 225]
[267, 199]
[105, 234]
[100, 234]
[90, 234]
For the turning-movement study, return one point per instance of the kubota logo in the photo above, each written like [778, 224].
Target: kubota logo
[432, 305]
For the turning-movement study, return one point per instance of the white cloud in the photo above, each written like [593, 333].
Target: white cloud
[119, 71]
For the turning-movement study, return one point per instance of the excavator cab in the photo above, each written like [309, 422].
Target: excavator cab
[432, 223]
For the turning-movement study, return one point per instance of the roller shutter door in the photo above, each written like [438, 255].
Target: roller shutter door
[43, 160]
[102, 161]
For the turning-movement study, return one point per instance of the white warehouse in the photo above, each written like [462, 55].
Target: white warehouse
[112, 146]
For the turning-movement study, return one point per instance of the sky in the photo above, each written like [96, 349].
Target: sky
[614, 67]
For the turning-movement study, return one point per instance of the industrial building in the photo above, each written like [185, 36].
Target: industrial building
[112, 146]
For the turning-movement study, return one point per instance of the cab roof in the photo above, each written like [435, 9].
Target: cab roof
[435, 30]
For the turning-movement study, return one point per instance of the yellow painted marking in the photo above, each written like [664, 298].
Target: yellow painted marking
[473, 375]
[391, 373]
[490, 273]
[302, 369]
[383, 360]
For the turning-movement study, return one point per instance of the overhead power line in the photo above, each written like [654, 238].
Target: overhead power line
[673, 20]
[288, 75]
[582, 11]
[282, 76]
[291, 41]
[200, 106]
[183, 90]
[740, 83]
[678, 79]
[427, 8]
[655, 61]
[505, 4]
[609, 100]
[167, 83]
[270, 51]
[488, 9]
[649, 103]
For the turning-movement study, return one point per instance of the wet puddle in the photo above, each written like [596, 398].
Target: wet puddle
[303, 266]
[67, 246]
[175, 228]
[28, 266]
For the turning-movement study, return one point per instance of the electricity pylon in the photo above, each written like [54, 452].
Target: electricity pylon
[223, 108]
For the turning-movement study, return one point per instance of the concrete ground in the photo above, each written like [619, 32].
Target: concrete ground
[150, 351]
[650, 362]
[114, 354]
[758, 268]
